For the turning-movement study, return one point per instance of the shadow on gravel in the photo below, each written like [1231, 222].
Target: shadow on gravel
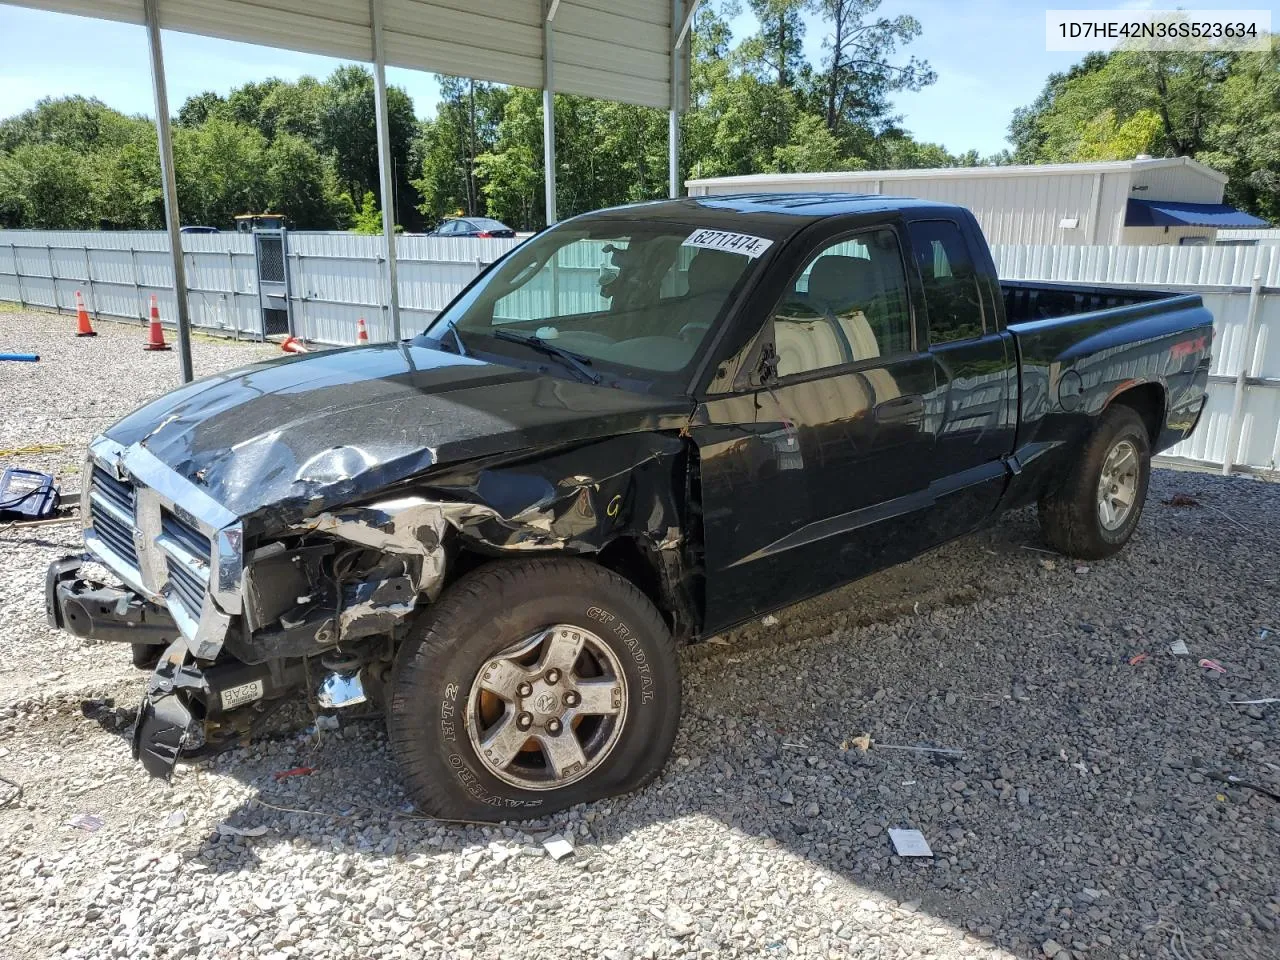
[1082, 809]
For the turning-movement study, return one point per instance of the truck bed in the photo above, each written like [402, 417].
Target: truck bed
[1026, 300]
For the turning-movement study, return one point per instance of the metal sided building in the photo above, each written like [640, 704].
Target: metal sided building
[1145, 201]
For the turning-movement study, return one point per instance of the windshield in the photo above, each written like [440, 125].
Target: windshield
[632, 299]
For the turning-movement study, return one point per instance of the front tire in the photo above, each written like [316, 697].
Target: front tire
[1096, 509]
[531, 686]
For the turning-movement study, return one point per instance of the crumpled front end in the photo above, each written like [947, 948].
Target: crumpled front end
[284, 600]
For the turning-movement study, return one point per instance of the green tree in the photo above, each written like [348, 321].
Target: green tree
[221, 170]
[859, 74]
[1243, 139]
[448, 147]
[368, 219]
[348, 133]
[301, 184]
[49, 185]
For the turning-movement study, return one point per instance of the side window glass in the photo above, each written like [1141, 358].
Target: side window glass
[951, 291]
[849, 304]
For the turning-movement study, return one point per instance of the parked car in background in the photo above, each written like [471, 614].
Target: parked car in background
[195, 228]
[501, 529]
[472, 227]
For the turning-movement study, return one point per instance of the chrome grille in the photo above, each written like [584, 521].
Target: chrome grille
[186, 587]
[187, 559]
[112, 514]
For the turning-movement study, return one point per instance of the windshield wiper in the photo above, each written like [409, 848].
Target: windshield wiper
[575, 361]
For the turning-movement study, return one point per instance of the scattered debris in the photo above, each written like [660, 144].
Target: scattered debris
[719, 641]
[769, 621]
[1048, 564]
[1181, 500]
[557, 846]
[176, 819]
[88, 822]
[1254, 703]
[14, 792]
[1082, 569]
[1179, 648]
[227, 830]
[1234, 781]
[947, 751]
[1139, 658]
[865, 743]
[1264, 633]
[679, 922]
[909, 843]
[1213, 665]
[327, 721]
[295, 772]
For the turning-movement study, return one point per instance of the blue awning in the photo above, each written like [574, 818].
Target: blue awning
[1174, 213]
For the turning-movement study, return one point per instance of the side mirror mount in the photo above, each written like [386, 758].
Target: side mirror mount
[766, 372]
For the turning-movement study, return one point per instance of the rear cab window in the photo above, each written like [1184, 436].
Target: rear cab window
[952, 293]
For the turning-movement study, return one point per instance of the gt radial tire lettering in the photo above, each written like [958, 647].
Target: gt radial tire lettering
[623, 633]
[448, 729]
[475, 788]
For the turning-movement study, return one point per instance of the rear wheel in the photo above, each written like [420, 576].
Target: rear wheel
[1097, 507]
[531, 686]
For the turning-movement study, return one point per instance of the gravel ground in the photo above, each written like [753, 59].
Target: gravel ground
[1080, 820]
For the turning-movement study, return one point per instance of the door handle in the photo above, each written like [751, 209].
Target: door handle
[900, 408]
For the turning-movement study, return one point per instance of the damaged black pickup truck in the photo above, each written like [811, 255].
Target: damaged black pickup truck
[638, 429]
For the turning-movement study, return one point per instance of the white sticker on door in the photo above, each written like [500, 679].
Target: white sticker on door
[743, 243]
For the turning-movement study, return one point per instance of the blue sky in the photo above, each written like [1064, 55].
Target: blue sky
[989, 57]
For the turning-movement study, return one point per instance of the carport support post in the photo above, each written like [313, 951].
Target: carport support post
[164, 139]
[673, 116]
[549, 107]
[681, 23]
[385, 170]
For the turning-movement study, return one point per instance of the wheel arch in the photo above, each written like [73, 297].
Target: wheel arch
[656, 571]
[1148, 400]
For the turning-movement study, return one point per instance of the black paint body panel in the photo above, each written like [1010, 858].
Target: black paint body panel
[741, 497]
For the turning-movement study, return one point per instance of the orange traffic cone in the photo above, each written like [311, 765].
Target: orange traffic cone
[83, 327]
[362, 332]
[292, 344]
[156, 341]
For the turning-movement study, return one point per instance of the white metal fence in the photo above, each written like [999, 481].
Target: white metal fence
[119, 272]
[336, 278]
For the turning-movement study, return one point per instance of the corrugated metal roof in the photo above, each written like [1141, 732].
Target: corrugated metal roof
[617, 51]
[933, 173]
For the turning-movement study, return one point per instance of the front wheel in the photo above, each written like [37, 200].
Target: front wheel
[1095, 510]
[532, 686]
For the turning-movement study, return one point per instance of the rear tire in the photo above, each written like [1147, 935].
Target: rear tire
[1091, 516]
[531, 686]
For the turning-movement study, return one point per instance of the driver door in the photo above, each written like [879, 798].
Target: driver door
[816, 478]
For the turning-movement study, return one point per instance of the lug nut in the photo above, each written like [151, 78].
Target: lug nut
[524, 721]
[553, 675]
[525, 690]
[553, 727]
[571, 699]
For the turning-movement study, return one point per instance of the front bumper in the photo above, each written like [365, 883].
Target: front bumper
[94, 611]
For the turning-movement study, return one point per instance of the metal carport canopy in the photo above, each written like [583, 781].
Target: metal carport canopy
[632, 52]
[603, 48]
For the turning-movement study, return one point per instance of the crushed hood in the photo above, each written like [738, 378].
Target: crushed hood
[303, 433]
